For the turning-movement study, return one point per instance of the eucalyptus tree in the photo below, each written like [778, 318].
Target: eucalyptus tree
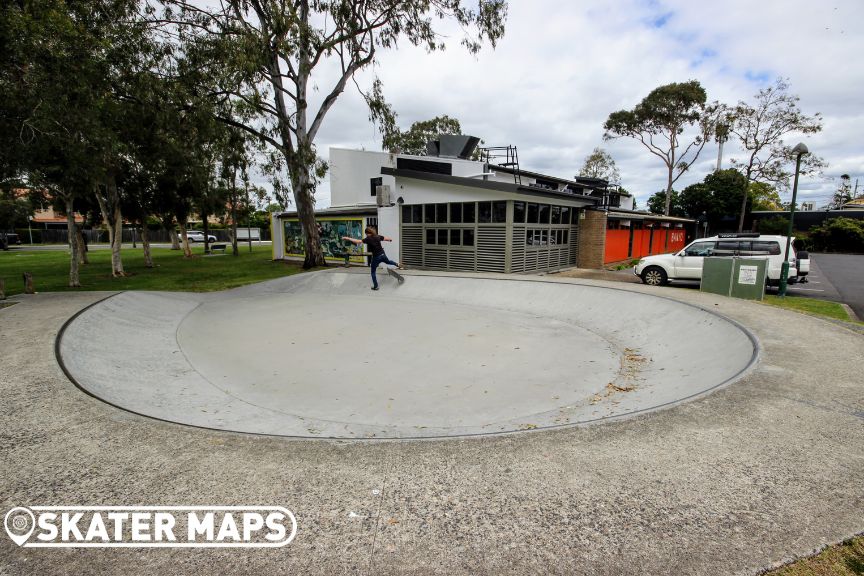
[64, 64]
[261, 59]
[760, 128]
[659, 122]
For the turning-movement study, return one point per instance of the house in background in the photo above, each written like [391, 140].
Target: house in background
[447, 211]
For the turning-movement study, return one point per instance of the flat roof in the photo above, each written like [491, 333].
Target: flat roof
[488, 185]
[358, 210]
[634, 215]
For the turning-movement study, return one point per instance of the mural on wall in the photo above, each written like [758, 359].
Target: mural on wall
[331, 237]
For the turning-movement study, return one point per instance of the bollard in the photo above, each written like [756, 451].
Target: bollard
[2, 289]
[28, 283]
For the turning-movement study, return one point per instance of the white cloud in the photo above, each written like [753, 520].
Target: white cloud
[562, 67]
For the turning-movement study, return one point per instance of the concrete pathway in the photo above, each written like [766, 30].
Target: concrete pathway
[762, 471]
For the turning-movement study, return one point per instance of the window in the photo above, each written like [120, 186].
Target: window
[373, 185]
[406, 214]
[565, 215]
[762, 248]
[484, 211]
[417, 214]
[700, 249]
[544, 213]
[429, 214]
[455, 237]
[727, 248]
[556, 215]
[499, 211]
[442, 237]
[441, 213]
[566, 236]
[533, 213]
[430, 236]
[456, 213]
[467, 237]
[518, 212]
[544, 237]
[469, 212]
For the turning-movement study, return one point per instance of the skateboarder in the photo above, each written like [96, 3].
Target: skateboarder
[373, 241]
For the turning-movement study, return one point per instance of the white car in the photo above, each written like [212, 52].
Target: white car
[687, 264]
[198, 236]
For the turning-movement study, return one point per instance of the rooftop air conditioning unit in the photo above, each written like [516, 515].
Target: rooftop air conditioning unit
[382, 195]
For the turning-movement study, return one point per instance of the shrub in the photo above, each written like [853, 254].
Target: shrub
[838, 235]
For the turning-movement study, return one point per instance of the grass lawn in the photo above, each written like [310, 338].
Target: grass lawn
[809, 306]
[845, 559]
[171, 271]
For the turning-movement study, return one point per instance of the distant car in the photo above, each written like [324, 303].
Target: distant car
[8, 239]
[687, 264]
[198, 236]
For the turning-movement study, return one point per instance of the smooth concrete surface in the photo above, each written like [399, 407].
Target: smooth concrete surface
[759, 472]
[321, 355]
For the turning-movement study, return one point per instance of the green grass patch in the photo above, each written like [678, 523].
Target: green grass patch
[171, 271]
[844, 559]
[809, 306]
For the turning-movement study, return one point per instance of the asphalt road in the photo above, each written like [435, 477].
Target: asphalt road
[837, 277]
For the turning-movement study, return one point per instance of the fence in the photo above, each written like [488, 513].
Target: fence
[130, 235]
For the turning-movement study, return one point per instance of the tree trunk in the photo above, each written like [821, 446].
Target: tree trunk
[206, 226]
[2, 289]
[28, 283]
[145, 245]
[168, 225]
[305, 202]
[109, 205]
[82, 247]
[744, 200]
[187, 250]
[74, 281]
[669, 190]
[234, 250]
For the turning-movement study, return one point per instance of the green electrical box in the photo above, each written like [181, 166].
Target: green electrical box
[735, 277]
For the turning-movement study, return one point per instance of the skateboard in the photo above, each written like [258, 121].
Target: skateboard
[399, 277]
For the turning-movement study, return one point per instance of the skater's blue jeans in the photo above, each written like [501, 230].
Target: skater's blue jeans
[377, 261]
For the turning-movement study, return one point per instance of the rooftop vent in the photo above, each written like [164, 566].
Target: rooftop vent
[452, 146]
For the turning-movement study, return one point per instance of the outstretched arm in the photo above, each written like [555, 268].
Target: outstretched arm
[387, 239]
[352, 240]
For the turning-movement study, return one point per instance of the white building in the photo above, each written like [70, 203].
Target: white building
[446, 211]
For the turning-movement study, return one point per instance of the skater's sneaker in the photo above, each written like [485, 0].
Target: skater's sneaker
[374, 287]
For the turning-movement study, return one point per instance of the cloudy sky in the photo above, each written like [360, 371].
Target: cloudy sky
[563, 66]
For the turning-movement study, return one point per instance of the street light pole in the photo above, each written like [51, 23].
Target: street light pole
[799, 150]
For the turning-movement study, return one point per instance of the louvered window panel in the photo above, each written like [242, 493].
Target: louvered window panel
[491, 243]
[412, 246]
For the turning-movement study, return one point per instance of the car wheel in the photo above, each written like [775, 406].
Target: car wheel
[654, 276]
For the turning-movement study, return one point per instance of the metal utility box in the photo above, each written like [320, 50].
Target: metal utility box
[735, 277]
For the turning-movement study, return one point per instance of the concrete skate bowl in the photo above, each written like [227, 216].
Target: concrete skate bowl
[319, 355]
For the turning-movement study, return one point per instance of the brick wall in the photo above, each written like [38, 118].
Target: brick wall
[592, 239]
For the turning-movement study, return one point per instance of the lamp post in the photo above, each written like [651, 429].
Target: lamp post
[799, 150]
[30, 228]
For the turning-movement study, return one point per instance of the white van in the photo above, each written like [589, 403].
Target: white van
[687, 264]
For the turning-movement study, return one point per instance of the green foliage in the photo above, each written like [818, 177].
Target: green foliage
[600, 164]
[659, 122]
[413, 141]
[774, 225]
[838, 235]
[657, 204]
[718, 196]
[764, 196]
[13, 210]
